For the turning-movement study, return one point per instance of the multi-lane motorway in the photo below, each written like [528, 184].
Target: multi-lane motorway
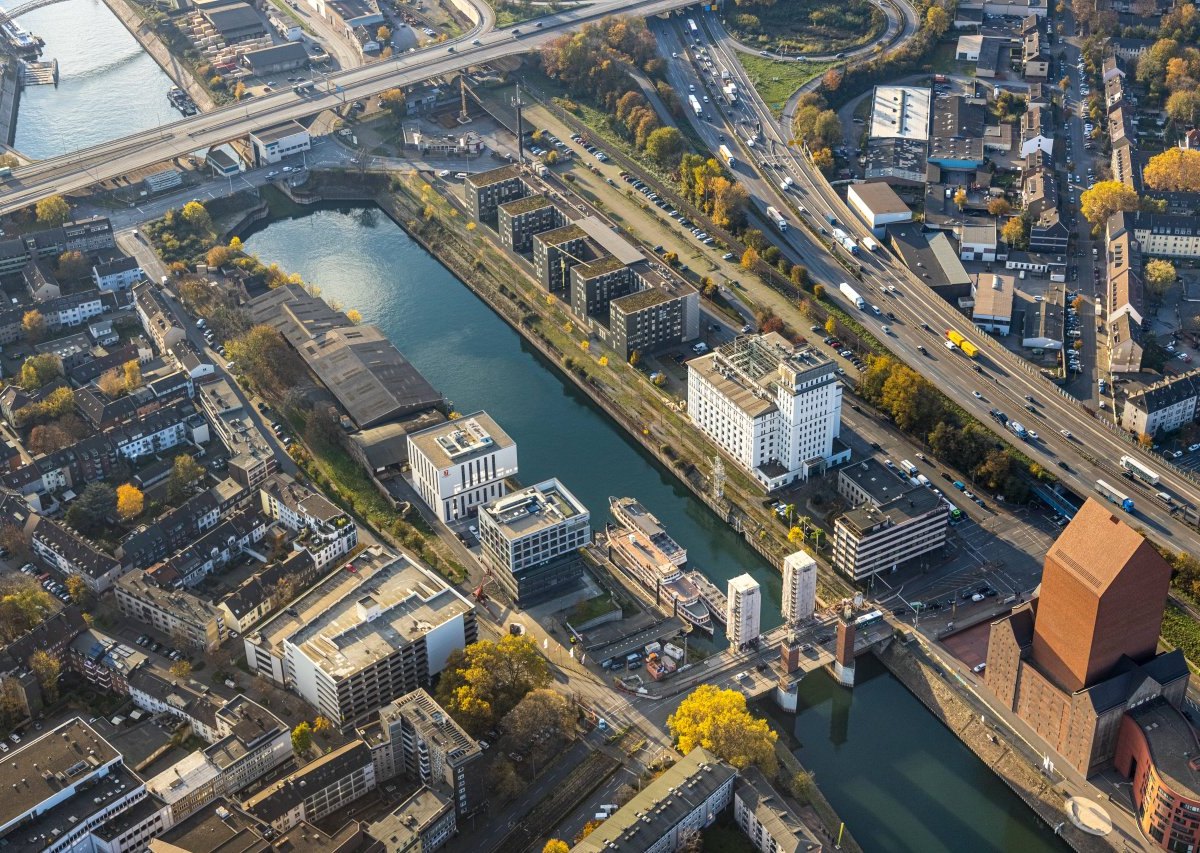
[1092, 449]
[80, 169]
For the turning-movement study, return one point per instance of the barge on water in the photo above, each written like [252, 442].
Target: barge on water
[712, 597]
[643, 550]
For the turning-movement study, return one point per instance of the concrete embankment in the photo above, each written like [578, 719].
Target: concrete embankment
[153, 45]
[10, 100]
[927, 682]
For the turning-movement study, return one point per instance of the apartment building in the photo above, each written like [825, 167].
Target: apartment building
[1164, 406]
[595, 284]
[518, 220]
[172, 425]
[459, 465]
[421, 824]
[743, 612]
[320, 788]
[415, 738]
[71, 554]
[251, 742]
[799, 587]
[686, 797]
[356, 640]
[84, 235]
[1167, 235]
[174, 612]
[322, 528]
[664, 312]
[556, 251]
[892, 522]
[157, 319]
[484, 192]
[530, 538]
[774, 407]
[766, 819]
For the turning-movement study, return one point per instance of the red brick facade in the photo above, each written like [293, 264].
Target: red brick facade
[1167, 809]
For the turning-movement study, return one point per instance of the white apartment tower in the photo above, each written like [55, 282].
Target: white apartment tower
[460, 465]
[743, 611]
[775, 408]
[799, 587]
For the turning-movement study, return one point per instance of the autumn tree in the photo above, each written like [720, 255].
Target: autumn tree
[749, 259]
[130, 501]
[383, 34]
[72, 266]
[999, 207]
[46, 669]
[77, 588]
[483, 682]
[33, 325]
[181, 669]
[263, 355]
[960, 198]
[12, 537]
[718, 720]
[185, 473]
[37, 371]
[393, 101]
[1176, 169]
[1159, 275]
[354, 316]
[541, 713]
[831, 326]
[1105, 199]
[665, 146]
[239, 90]
[132, 370]
[53, 211]
[556, 846]
[1015, 232]
[321, 725]
[23, 604]
[111, 383]
[937, 20]
[196, 216]
[48, 438]
[822, 158]
[302, 738]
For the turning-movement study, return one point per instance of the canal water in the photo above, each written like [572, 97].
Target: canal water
[469, 354]
[108, 86]
[895, 774]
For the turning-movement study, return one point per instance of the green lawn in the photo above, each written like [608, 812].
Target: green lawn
[1181, 631]
[776, 81]
[800, 27]
[508, 14]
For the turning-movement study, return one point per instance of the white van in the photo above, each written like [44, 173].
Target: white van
[700, 348]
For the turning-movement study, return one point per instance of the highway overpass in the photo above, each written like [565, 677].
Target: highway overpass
[79, 169]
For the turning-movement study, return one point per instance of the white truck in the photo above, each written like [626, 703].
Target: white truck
[852, 294]
[731, 92]
[777, 217]
[869, 244]
[696, 108]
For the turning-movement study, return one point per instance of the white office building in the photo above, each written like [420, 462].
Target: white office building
[799, 587]
[460, 465]
[743, 611]
[775, 408]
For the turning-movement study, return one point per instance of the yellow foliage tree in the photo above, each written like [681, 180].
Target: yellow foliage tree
[53, 210]
[718, 720]
[1176, 169]
[130, 501]
[354, 316]
[133, 374]
[556, 846]
[1159, 274]
[749, 259]
[1105, 199]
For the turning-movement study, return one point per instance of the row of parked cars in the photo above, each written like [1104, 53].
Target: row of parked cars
[48, 583]
[148, 642]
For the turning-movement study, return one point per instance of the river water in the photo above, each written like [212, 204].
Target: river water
[108, 86]
[899, 778]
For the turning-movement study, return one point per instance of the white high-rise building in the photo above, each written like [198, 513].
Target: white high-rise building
[743, 611]
[462, 464]
[774, 407]
[799, 587]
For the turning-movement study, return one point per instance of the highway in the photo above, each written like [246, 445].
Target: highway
[1003, 380]
[79, 169]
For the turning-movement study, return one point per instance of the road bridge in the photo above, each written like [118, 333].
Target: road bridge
[79, 169]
